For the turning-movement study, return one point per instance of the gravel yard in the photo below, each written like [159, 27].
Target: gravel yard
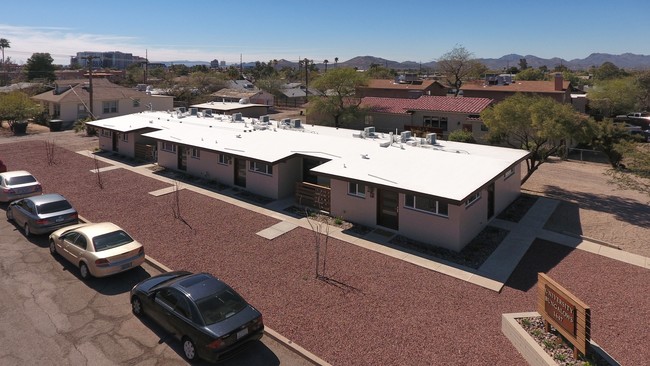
[373, 310]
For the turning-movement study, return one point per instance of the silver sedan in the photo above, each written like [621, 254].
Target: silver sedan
[42, 214]
[18, 184]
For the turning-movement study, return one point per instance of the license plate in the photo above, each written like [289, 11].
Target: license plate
[59, 219]
[126, 265]
[242, 333]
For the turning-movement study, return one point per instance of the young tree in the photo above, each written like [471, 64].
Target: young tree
[40, 66]
[538, 124]
[4, 43]
[614, 96]
[337, 100]
[17, 106]
[531, 74]
[457, 65]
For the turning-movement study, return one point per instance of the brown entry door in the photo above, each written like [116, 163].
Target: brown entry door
[115, 139]
[182, 157]
[490, 202]
[240, 172]
[387, 209]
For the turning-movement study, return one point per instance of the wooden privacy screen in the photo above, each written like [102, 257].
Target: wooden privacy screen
[570, 316]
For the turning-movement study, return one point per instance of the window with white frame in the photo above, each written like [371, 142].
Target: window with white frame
[168, 146]
[357, 189]
[510, 172]
[260, 167]
[109, 107]
[473, 198]
[196, 153]
[125, 137]
[426, 204]
[106, 133]
[225, 159]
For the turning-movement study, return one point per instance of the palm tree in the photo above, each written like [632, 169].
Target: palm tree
[4, 43]
[336, 61]
[326, 62]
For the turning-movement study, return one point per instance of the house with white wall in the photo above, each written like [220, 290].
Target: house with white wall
[69, 101]
[438, 192]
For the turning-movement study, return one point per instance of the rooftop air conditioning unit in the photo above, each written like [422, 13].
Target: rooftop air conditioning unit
[237, 117]
[286, 121]
[181, 109]
[431, 138]
[295, 123]
[207, 113]
[369, 131]
[264, 118]
[405, 136]
[194, 111]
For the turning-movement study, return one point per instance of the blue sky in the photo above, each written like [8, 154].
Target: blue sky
[404, 30]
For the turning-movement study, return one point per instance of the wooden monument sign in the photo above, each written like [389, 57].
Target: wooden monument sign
[570, 316]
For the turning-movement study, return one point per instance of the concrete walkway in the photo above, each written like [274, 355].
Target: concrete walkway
[494, 272]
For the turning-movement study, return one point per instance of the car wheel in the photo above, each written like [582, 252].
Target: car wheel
[26, 230]
[52, 247]
[189, 349]
[83, 271]
[136, 306]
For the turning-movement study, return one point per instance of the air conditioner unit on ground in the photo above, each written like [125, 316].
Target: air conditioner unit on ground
[431, 138]
[295, 123]
[405, 136]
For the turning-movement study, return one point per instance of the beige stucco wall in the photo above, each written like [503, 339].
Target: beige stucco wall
[352, 208]
[289, 172]
[205, 166]
[167, 159]
[507, 190]
[429, 228]
[262, 184]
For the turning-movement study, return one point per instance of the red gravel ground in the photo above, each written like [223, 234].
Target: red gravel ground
[375, 310]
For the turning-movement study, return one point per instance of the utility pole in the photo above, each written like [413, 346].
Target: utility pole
[146, 65]
[89, 60]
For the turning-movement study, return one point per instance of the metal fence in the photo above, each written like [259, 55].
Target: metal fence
[587, 155]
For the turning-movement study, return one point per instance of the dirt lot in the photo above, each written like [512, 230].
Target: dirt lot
[593, 205]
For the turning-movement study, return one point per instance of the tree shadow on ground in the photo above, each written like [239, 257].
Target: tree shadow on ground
[542, 256]
[624, 209]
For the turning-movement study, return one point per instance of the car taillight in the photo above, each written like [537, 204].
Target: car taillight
[102, 262]
[259, 321]
[141, 251]
[216, 344]
[74, 216]
[41, 222]
[8, 190]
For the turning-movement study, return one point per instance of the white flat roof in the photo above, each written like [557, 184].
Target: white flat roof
[226, 106]
[450, 170]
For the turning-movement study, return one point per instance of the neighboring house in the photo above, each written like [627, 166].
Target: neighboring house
[238, 90]
[295, 95]
[500, 88]
[440, 193]
[407, 88]
[70, 100]
[427, 114]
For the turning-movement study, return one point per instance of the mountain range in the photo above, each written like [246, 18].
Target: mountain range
[624, 61]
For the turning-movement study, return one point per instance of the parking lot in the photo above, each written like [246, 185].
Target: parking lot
[49, 316]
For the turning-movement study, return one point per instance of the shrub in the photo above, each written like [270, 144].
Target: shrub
[462, 136]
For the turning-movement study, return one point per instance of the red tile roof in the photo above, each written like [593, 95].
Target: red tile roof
[426, 103]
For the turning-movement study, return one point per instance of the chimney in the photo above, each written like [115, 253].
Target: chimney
[559, 80]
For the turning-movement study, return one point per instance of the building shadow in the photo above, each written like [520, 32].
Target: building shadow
[542, 256]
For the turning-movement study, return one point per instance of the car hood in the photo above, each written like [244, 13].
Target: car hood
[235, 322]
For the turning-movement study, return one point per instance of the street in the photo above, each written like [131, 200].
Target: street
[49, 316]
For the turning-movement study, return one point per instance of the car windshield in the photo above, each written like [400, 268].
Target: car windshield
[21, 179]
[111, 240]
[221, 306]
[55, 206]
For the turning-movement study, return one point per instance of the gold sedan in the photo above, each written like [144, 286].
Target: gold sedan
[98, 249]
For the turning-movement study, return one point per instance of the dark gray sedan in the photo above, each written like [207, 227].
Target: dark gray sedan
[209, 317]
[42, 214]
